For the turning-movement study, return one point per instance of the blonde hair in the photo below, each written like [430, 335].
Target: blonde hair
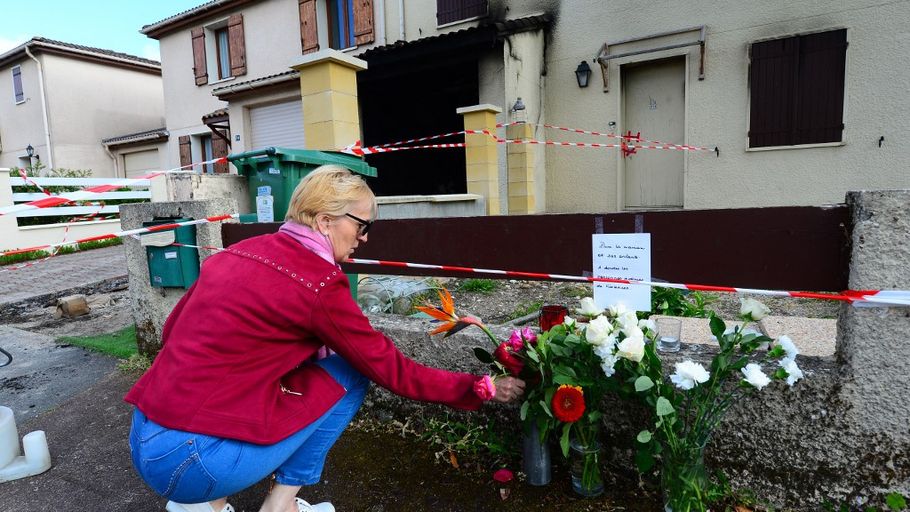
[330, 189]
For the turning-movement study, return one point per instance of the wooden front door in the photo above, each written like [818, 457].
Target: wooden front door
[654, 104]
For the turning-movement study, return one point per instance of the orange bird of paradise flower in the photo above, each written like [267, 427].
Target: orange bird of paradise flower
[451, 323]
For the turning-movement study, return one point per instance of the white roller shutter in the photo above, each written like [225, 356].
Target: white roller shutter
[141, 162]
[277, 125]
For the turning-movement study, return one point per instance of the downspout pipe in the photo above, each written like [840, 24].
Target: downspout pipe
[401, 20]
[381, 22]
[114, 159]
[47, 129]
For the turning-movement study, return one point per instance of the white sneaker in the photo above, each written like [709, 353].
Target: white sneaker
[173, 506]
[303, 506]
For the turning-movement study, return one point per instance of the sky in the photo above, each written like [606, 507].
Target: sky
[107, 24]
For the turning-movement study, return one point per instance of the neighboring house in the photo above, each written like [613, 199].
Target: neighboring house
[803, 101]
[62, 99]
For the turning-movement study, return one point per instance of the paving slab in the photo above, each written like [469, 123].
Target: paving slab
[62, 273]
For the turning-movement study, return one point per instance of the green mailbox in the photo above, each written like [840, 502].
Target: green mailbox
[273, 174]
[171, 266]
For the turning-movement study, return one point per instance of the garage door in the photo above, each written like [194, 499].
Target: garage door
[277, 125]
[141, 162]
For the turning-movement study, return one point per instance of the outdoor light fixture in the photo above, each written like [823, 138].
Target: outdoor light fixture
[30, 151]
[583, 73]
[518, 111]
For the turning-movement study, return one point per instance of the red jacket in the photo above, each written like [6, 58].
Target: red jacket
[259, 310]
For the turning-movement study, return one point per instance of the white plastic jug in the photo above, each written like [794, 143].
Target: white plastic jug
[13, 466]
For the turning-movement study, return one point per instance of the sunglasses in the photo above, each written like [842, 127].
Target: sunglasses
[365, 225]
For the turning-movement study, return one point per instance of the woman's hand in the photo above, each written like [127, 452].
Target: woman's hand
[508, 389]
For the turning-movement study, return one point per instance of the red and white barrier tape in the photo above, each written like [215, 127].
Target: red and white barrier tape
[357, 149]
[883, 298]
[129, 232]
[634, 138]
[86, 194]
[32, 182]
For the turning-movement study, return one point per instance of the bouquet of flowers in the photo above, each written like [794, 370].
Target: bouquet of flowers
[689, 407]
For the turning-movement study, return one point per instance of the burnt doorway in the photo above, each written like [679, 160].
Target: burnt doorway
[404, 102]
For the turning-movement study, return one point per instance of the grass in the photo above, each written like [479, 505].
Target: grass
[120, 344]
[525, 308]
[478, 285]
[66, 249]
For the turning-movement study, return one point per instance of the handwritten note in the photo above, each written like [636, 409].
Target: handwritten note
[623, 256]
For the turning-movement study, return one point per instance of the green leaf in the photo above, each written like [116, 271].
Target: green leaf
[664, 407]
[563, 379]
[644, 436]
[644, 460]
[717, 327]
[483, 356]
[643, 383]
[594, 416]
[896, 501]
[524, 410]
[564, 439]
[532, 354]
[546, 408]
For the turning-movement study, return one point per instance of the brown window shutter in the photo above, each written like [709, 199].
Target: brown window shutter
[220, 149]
[236, 45]
[363, 21]
[309, 38]
[772, 92]
[186, 156]
[199, 66]
[820, 101]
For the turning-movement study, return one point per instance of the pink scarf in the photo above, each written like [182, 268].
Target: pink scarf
[319, 244]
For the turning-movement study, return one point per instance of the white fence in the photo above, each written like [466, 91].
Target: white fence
[12, 236]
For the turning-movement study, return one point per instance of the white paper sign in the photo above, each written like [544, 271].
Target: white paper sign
[265, 209]
[624, 256]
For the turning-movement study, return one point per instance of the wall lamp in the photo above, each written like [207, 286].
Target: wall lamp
[583, 74]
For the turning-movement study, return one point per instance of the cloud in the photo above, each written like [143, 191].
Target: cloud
[151, 51]
[8, 43]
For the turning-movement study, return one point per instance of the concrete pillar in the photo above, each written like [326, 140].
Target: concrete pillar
[522, 163]
[328, 90]
[482, 161]
[873, 344]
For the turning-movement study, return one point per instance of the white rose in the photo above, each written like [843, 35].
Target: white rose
[598, 330]
[632, 349]
[633, 331]
[617, 309]
[793, 372]
[755, 309]
[588, 307]
[628, 319]
[606, 350]
[789, 347]
[689, 374]
[754, 376]
[647, 323]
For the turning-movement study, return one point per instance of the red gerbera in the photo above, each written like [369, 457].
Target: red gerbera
[568, 403]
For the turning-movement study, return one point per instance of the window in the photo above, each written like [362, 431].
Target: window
[340, 14]
[223, 53]
[219, 50]
[17, 84]
[207, 153]
[450, 11]
[797, 90]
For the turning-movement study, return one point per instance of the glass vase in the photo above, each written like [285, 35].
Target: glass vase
[585, 459]
[536, 457]
[684, 480]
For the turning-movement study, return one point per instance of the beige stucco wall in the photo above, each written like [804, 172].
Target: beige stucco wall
[20, 124]
[89, 101]
[876, 102]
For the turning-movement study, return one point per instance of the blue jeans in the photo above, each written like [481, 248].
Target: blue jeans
[194, 468]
